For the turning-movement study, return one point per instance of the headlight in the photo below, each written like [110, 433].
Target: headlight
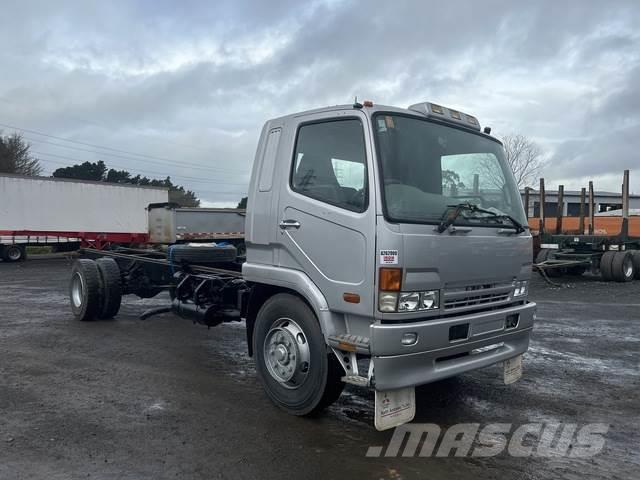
[430, 300]
[409, 301]
[521, 288]
[387, 301]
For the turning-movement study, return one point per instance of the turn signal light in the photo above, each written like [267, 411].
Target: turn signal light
[351, 297]
[390, 279]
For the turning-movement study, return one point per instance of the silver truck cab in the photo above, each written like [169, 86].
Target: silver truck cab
[402, 232]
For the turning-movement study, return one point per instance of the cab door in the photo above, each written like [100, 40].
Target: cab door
[327, 208]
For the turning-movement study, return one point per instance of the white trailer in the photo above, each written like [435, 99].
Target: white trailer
[55, 211]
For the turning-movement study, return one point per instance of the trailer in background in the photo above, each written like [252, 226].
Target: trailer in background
[67, 214]
[615, 256]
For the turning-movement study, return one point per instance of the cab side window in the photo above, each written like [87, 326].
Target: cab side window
[330, 164]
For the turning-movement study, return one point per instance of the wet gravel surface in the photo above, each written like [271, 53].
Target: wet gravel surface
[131, 399]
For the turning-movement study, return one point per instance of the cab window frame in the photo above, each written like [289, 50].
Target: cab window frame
[294, 154]
[381, 113]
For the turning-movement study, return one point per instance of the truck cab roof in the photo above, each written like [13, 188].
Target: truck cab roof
[427, 110]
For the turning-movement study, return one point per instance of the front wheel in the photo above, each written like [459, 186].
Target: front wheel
[292, 361]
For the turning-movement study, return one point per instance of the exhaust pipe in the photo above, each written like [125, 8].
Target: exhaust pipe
[190, 311]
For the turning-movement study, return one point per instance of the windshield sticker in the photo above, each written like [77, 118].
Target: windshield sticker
[382, 127]
[388, 257]
[389, 122]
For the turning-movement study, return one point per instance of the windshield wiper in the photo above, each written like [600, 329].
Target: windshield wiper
[453, 211]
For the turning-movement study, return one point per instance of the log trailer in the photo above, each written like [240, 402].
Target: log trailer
[613, 257]
[385, 248]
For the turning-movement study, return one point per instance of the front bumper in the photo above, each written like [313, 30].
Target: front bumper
[434, 357]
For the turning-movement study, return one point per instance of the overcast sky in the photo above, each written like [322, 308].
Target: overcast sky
[188, 84]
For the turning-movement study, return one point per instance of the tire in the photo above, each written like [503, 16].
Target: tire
[622, 268]
[111, 287]
[636, 263]
[14, 253]
[606, 265]
[84, 290]
[284, 320]
[202, 253]
[543, 256]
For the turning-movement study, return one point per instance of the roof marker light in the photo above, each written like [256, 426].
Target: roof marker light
[367, 103]
[436, 108]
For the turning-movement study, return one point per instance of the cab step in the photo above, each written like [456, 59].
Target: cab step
[358, 380]
[349, 343]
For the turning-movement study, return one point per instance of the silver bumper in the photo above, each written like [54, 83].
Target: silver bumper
[435, 357]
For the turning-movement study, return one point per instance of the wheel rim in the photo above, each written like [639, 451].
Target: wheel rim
[627, 267]
[286, 353]
[14, 253]
[77, 290]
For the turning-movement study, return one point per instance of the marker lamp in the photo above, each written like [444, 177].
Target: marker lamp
[521, 288]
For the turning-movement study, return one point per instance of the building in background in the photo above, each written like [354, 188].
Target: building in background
[605, 203]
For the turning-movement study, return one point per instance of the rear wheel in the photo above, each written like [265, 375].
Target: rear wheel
[606, 265]
[622, 268]
[636, 263]
[298, 373]
[111, 287]
[84, 290]
[14, 253]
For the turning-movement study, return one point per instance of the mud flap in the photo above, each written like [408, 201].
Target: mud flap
[512, 370]
[394, 407]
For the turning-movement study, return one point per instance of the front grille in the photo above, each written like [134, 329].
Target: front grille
[478, 295]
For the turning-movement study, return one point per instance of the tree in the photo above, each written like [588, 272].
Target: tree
[97, 171]
[243, 203]
[118, 176]
[85, 171]
[525, 158]
[451, 181]
[15, 156]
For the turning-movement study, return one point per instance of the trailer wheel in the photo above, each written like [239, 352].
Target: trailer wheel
[298, 373]
[636, 263]
[543, 256]
[111, 287]
[14, 253]
[622, 267]
[606, 262]
[84, 289]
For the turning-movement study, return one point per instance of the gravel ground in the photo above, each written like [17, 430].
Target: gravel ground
[131, 399]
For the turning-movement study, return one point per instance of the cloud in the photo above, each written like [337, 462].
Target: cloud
[192, 82]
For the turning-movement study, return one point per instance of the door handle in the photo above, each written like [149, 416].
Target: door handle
[284, 224]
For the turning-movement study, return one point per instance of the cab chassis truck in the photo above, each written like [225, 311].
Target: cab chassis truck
[385, 248]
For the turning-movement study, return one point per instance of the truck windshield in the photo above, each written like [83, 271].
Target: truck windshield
[427, 167]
